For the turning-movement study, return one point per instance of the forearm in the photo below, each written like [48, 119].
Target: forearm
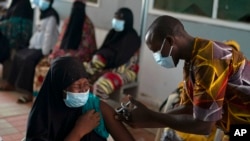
[180, 118]
[183, 122]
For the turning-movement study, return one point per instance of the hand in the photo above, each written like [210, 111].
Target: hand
[138, 116]
[87, 122]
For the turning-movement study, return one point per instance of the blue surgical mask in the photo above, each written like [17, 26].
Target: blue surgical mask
[118, 25]
[34, 3]
[76, 99]
[166, 62]
[43, 5]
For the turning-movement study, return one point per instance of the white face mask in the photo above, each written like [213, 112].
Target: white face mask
[76, 99]
[118, 25]
[166, 62]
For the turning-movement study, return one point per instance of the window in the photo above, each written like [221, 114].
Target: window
[230, 12]
[234, 10]
[194, 7]
[94, 3]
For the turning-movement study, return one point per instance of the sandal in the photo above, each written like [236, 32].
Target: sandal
[23, 100]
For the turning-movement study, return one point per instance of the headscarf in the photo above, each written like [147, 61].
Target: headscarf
[19, 8]
[73, 34]
[50, 118]
[119, 47]
[50, 12]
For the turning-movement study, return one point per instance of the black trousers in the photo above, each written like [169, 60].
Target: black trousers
[22, 69]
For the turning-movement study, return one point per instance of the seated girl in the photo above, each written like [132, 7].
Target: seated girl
[65, 109]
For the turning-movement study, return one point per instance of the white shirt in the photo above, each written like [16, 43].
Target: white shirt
[45, 36]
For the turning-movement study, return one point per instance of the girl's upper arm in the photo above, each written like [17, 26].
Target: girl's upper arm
[116, 128]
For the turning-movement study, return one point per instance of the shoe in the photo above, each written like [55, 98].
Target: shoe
[24, 99]
[88, 67]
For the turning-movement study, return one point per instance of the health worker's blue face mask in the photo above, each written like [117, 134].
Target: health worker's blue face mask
[43, 5]
[166, 62]
[118, 25]
[74, 100]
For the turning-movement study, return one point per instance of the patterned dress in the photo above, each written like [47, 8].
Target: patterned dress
[84, 52]
[86, 47]
[107, 81]
[17, 30]
[217, 84]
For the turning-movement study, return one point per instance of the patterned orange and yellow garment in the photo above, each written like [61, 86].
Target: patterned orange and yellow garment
[86, 47]
[217, 83]
[84, 52]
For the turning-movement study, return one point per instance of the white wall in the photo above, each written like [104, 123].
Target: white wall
[100, 34]
[156, 82]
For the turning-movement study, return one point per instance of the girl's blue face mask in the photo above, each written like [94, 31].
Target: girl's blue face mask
[43, 5]
[74, 100]
[166, 62]
[118, 25]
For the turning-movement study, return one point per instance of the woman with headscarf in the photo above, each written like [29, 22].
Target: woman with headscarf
[16, 29]
[77, 39]
[117, 59]
[65, 109]
[16, 24]
[24, 62]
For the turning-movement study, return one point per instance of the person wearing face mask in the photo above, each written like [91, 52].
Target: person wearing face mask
[40, 45]
[65, 109]
[215, 76]
[16, 23]
[115, 63]
[77, 38]
[15, 32]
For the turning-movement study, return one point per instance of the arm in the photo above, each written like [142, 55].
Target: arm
[116, 128]
[180, 118]
[84, 125]
[50, 36]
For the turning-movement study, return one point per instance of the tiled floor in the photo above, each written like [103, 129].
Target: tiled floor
[13, 118]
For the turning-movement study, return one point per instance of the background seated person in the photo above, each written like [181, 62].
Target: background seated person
[16, 26]
[77, 39]
[16, 23]
[116, 62]
[65, 109]
[25, 60]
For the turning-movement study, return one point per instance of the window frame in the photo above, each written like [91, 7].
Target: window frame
[199, 19]
[97, 4]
